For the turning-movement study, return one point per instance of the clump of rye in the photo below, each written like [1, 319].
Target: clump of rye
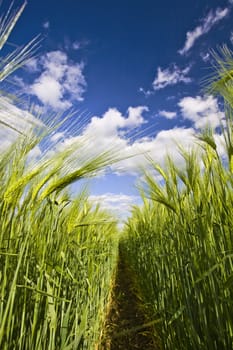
[180, 241]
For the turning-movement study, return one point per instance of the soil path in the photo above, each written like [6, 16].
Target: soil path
[126, 326]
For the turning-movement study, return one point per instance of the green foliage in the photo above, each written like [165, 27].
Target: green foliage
[56, 261]
[180, 245]
[57, 255]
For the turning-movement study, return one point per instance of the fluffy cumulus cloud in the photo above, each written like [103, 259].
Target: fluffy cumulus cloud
[167, 114]
[171, 76]
[119, 204]
[201, 110]
[166, 142]
[207, 23]
[111, 131]
[109, 125]
[61, 81]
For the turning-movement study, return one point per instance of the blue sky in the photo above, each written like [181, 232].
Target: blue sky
[133, 67]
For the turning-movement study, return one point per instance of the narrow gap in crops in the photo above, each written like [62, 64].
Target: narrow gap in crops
[126, 326]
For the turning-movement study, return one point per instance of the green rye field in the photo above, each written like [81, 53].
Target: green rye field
[63, 260]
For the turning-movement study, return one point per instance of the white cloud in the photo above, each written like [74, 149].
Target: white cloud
[206, 25]
[119, 204]
[76, 45]
[32, 65]
[111, 132]
[108, 126]
[19, 82]
[146, 93]
[167, 114]
[46, 25]
[105, 132]
[158, 147]
[57, 136]
[61, 81]
[50, 92]
[202, 111]
[171, 76]
[205, 56]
